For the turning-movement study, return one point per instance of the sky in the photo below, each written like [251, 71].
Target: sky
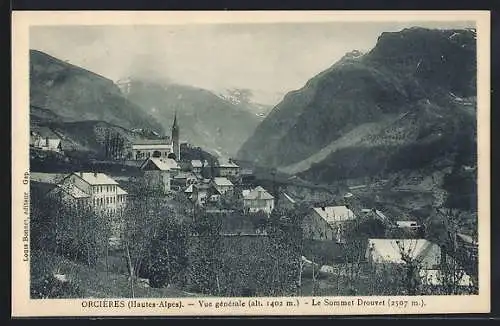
[269, 59]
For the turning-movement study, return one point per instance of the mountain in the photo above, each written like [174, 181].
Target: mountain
[408, 105]
[76, 94]
[88, 136]
[244, 99]
[205, 119]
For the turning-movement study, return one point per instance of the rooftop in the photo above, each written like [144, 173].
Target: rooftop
[389, 250]
[43, 132]
[467, 238]
[120, 191]
[228, 165]
[257, 193]
[333, 214]
[221, 181]
[161, 163]
[165, 141]
[73, 190]
[95, 178]
[407, 224]
[290, 199]
[196, 163]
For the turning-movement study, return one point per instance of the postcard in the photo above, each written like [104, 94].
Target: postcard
[250, 163]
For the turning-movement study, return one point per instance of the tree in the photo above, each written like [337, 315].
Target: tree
[167, 259]
[206, 262]
[411, 268]
[143, 220]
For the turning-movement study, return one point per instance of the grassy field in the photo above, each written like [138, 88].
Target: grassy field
[95, 282]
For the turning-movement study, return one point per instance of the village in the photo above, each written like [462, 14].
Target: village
[342, 246]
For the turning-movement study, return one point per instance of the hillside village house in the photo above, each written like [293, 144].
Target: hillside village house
[229, 169]
[223, 185]
[388, 252]
[328, 223]
[99, 191]
[197, 165]
[202, 193]
[184, 179]
[157, 173]
[45, 139]
[257, 200]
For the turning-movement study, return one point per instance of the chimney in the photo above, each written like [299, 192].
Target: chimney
[323, 208]
[47, 141]
[95, 174]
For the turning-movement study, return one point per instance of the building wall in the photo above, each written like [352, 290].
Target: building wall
[225, 189]
[158, 179]
[142, 152]
[255, 205]
[104, 198]
[79, 182]
[228, 172]
[315, 227]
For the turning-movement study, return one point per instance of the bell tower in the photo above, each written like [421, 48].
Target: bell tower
[176, 148]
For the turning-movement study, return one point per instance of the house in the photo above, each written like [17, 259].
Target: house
[98, 190]
[202, 193]
[70, 194]
[257, 200]
[157, 174]
[197, 165]
[247, 177]
[229, 169]
[430, 257]
[328, 223]
[45, 139]
[223, 185]
[184, 179]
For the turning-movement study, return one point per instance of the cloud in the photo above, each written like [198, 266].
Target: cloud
[267, 58]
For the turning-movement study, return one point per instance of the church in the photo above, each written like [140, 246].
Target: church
[167, 147]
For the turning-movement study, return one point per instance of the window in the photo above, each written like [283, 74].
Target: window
[107, 200]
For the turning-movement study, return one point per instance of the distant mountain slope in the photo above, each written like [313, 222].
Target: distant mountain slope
[205, 119]
[336, 126]
[75, 94]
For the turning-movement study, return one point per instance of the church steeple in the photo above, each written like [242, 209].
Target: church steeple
[174, 126]
[175, 138]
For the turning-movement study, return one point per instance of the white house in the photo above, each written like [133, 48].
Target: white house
[45, 139]
[229, 169]
[98, 190]
[257, 200]
[223, 185]
[328, 223]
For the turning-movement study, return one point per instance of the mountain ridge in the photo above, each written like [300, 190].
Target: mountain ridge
[333, 127]
[76, 94]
